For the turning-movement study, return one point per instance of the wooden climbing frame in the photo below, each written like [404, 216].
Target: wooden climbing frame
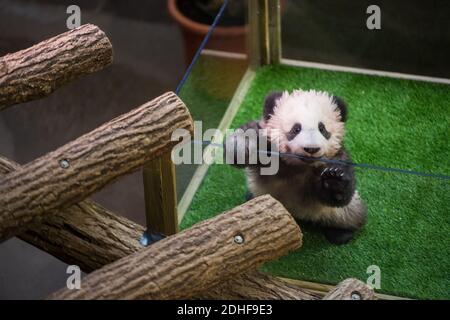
[45, 202]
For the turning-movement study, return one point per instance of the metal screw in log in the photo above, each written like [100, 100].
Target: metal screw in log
[190, 262]
[64, 163]
[239, 239]
[350, 289]
[356, 295]
[116, 148]
[39, 70]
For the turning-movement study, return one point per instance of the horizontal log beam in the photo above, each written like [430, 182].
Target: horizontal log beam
[188, 263]
[38, 71]
[350, 289]
[68, 175]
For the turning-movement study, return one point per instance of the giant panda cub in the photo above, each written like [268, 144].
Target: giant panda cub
[310, 124]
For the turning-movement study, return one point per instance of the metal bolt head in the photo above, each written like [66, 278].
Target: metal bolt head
[64, 163]
[143, 240]
[239, 239]
[356, 295]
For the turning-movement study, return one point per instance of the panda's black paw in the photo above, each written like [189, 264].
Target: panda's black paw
[335, 183]
[332, 173]
[338, 236]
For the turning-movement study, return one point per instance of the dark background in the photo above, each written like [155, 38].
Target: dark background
[414, 36]
[148, 60]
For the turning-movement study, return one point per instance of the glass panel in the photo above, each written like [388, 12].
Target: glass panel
[392, 123]
[207, 93]
[213, 75]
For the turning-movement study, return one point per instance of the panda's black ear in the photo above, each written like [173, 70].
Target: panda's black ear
[342, 106]
[269, 104]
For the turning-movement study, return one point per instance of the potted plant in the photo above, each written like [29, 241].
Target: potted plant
[195, 18]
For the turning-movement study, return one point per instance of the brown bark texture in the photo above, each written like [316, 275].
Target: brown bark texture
[71, 173]
[188, 263]
[41, 69]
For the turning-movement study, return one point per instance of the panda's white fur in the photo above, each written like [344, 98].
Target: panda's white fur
[307, 188]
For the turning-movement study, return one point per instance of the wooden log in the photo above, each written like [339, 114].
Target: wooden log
[350, 289]
[38, 71]
[161, 196]
[188, 263]
[90, 236]
[71, 173]
[321, 289]
[254, 285]
[68, 235]
[85, 234]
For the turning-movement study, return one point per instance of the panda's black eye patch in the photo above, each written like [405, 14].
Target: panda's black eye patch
[295, 130]
[324, 131]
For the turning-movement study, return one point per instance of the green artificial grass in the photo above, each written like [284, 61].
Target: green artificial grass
[393, 123]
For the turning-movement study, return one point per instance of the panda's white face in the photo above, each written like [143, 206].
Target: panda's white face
[306, 123]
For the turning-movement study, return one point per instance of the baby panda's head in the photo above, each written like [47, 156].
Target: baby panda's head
[308, 123]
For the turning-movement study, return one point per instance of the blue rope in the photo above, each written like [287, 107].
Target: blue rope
[341, 162]
[202, 46]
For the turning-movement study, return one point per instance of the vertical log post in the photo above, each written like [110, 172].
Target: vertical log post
[161, 196]
[265, 32]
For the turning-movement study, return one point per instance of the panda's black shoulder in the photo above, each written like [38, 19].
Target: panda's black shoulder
[342, 154]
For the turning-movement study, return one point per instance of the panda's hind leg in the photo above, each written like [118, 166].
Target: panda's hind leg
[338, 235]
[340, 226]
[334, 235]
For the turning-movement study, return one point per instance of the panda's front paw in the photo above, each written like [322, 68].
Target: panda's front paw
[332, 172]
[335, 184]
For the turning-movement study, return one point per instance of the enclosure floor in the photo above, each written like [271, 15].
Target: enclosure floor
[393, 123]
